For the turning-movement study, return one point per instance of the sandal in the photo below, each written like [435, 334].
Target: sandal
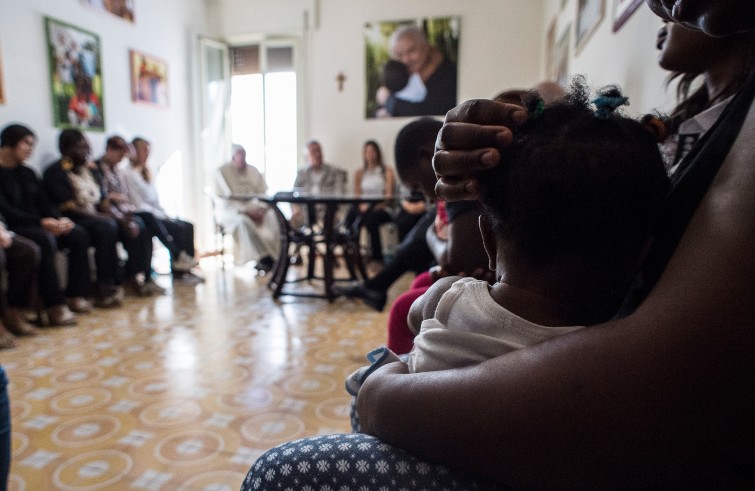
[15, 322]
[7, 341]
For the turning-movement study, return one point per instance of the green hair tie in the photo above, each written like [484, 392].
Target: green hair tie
[538, 109]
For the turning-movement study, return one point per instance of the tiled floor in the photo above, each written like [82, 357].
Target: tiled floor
[185, 390]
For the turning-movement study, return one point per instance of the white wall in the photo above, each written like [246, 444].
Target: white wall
[165, 29]
[334, 44]
[502, 45]
[626, 57]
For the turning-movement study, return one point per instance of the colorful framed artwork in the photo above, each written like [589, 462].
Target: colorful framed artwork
[395, 84]
[622, 11]
[120, 8]
[75, 76]
[589, 15]
[149, 79]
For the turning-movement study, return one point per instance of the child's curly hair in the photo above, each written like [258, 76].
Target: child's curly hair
[576, 183]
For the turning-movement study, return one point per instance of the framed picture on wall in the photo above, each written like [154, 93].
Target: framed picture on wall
[589, 15]
[120, 8]
[397, 84]
[75, 76]
[149, 79]
[623, 10]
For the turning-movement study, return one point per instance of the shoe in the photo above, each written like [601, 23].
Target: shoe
[374, 298]
[265, 264]
[187, 278]
[109, 297]
[15, 321]
[80, 305]
[7, 341]
[184, 262]
[153, 287]
[60, 315]
[137, 287]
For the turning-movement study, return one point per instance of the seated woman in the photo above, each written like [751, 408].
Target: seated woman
[565, 224]
[19, 261]
[71, 187]
[28, 213]
[373, 180]
[661, 398]
[143, 196]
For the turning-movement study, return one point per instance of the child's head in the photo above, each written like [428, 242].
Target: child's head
[413, 153]
[395, 75]
[578, 193]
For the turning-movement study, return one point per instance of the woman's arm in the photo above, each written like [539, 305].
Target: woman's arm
[664, 395]
[390, 182]
[358, 183]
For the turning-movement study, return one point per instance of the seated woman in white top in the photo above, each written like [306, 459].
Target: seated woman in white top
[373, 180]
[143, 195]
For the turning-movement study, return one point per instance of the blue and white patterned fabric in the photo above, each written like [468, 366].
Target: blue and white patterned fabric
[354, 462]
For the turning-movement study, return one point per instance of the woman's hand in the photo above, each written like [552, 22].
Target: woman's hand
[468, 142]
[129, 226]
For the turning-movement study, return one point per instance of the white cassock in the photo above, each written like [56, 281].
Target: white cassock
[250, 240]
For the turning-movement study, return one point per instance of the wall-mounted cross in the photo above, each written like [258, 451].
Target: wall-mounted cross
[340, 78]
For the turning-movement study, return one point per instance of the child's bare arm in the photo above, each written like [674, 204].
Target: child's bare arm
[424, 307]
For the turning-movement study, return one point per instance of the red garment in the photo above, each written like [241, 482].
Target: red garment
[400, 337]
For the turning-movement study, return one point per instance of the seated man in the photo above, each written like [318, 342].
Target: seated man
[256, 236]
[318, 178]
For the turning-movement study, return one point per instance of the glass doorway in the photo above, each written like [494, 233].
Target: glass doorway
[263, 109]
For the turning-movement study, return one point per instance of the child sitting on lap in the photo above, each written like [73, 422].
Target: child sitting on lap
[567, 220]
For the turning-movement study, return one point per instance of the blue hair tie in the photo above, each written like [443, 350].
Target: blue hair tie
[605, 105]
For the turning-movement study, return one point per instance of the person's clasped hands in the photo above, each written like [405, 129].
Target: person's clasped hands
[469, 142]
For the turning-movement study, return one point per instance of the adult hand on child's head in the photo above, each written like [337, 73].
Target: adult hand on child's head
[468, 143]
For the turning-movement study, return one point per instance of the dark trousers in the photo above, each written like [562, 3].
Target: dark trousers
[372, 220]
[139, 249]
[21, 261]
[103, 236]
[156, 228]
[76, 242]
[182, 233]
[412, 254]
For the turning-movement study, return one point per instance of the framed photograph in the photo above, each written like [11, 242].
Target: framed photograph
[149, 79]
[589, 15]
[120, 8]
[623, 10]
[397, 83]
[75, 76]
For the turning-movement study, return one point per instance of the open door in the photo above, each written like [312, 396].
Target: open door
[214, 137]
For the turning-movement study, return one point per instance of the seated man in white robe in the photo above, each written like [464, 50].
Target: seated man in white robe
[256, 236]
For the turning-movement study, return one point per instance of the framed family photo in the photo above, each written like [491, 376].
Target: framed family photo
[149, 79]
[75, 76]
[411, 67]
[120, 8]
[589, 15]
[622, 11]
